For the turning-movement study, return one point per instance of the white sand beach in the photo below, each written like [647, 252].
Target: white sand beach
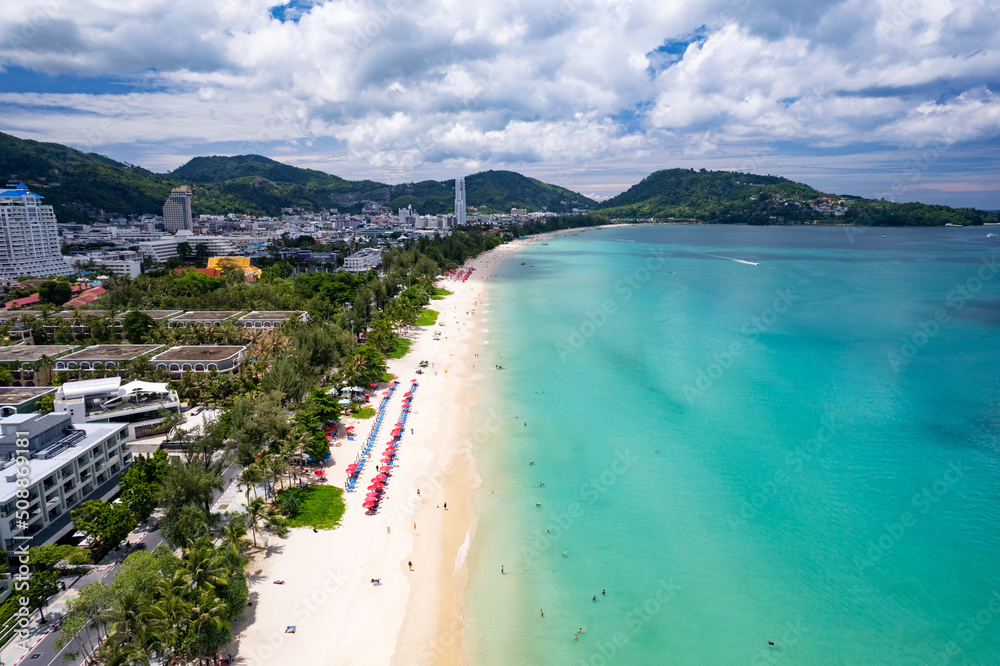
[412, 617]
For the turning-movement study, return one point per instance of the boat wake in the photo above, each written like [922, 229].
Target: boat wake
[739, 261]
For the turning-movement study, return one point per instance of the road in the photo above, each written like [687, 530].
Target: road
[46, 653]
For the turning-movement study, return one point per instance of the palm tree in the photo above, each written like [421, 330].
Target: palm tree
[209, 613]
[176, 610]
[276, 465]
[255, 512]
[234, 533]
[249, 478]
[126, 620]
[202, 568]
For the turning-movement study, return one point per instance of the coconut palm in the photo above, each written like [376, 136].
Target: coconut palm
[234, 534]
[249, 478]
[209, 615]
[202, 568]
[255, 512]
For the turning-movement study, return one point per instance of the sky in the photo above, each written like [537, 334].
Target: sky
[893, 99]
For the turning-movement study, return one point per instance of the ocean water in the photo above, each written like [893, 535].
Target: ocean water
[804, 451]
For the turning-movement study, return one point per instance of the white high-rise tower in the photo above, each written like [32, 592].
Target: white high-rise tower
[460, 201]
[29, 239]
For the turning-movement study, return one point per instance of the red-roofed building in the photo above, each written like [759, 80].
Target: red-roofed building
[86, 297]
[22, 302]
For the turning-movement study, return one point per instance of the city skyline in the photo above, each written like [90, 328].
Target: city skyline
[881, 99]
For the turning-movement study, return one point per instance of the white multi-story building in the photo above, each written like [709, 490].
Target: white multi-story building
[460, 205]
[362, 261]
[177, 210]
[165, 248]
[120, 263]
[66, 464]
[136, 404]
[408, 217]
[29, 238]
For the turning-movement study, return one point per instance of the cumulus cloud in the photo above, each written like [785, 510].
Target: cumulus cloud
[416, 86]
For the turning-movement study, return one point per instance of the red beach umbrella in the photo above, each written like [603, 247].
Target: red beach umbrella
[318, 472]
[386, 459]
[407, 394]
[413, 381]
[382, 477]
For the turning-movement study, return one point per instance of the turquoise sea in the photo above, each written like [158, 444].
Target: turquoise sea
[804, 451]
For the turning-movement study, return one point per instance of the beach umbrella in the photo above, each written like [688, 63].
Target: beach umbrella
[386, 459]
[413, 381]
[407, 394]
[318, 472]
[382, 477]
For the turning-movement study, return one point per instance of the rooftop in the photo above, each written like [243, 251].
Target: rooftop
[32, 353]
[15, 395]
[72, 314]
[199, 353]
[270, 315]
[111, 353]
[155, 314]
[41, 468]
[207, 315]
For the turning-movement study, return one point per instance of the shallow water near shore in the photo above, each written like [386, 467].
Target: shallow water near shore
[802, 451]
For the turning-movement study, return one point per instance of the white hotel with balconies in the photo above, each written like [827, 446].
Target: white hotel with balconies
[67, 465]
[29, 239]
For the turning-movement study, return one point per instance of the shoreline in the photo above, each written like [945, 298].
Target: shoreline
[434, 624]
[412, 617]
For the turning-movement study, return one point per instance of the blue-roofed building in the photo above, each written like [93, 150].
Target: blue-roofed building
[29, 239]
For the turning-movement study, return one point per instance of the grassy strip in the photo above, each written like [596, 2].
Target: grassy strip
[322, 507]
[439, 294]
[400, 348]
[427, 317]
[363, 412]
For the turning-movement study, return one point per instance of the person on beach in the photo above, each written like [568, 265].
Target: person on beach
[604, 592]
[595, 597]
[542, 612]
[410, 563]
[501, 568]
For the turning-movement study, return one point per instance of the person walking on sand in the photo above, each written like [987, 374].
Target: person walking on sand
[410, 563]
[501, 568]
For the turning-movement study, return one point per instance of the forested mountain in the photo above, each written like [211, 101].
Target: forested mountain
[732, 197]
[79, 183]
[76, 183]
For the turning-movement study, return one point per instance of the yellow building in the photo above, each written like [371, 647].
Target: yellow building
[220, 264]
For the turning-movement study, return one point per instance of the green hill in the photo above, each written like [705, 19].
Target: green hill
[77, 183]
[489, 192]
[732, 197]
[72, 180]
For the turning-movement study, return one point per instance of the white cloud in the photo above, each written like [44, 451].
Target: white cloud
[420, 85]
